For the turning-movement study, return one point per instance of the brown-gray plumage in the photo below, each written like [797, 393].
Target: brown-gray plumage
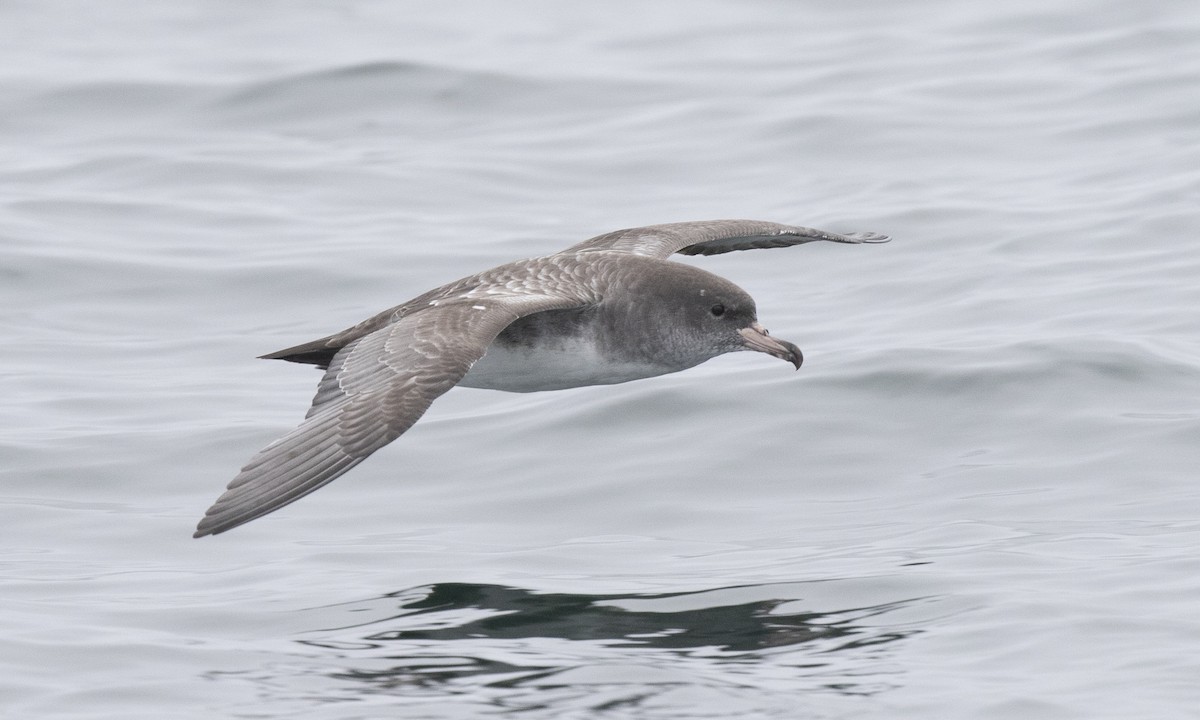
[608, 310]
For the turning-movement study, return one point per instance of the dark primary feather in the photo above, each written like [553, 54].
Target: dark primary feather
[712, 237]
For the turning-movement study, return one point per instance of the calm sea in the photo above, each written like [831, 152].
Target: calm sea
[979, 498]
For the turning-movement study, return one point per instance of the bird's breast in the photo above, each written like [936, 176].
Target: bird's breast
[553, 351]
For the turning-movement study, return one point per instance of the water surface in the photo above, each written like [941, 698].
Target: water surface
[977, 499]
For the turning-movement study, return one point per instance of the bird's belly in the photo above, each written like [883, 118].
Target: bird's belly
[566, 363]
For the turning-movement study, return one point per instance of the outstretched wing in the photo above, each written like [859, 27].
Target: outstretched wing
[373, 391]
[712, 237]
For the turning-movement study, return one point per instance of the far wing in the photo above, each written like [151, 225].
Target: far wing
[712, 237]
[373, 391]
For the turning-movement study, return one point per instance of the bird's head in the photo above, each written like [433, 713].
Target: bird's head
[699, 316]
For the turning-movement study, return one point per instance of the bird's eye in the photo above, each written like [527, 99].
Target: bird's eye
[717, 310]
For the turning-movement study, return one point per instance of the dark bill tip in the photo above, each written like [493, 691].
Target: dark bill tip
[758, 339]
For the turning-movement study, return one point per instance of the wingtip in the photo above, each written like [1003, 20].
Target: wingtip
[870, 237]
[214, 524]
[203, 530]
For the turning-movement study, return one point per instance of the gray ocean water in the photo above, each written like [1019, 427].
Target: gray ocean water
[977, 499]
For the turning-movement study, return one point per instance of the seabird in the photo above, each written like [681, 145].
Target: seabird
[608, 310]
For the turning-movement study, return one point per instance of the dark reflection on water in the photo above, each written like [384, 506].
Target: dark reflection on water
[452, 636]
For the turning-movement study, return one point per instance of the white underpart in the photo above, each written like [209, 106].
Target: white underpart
[567, 364]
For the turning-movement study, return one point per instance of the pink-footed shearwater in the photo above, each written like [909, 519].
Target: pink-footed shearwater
[608, 310]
